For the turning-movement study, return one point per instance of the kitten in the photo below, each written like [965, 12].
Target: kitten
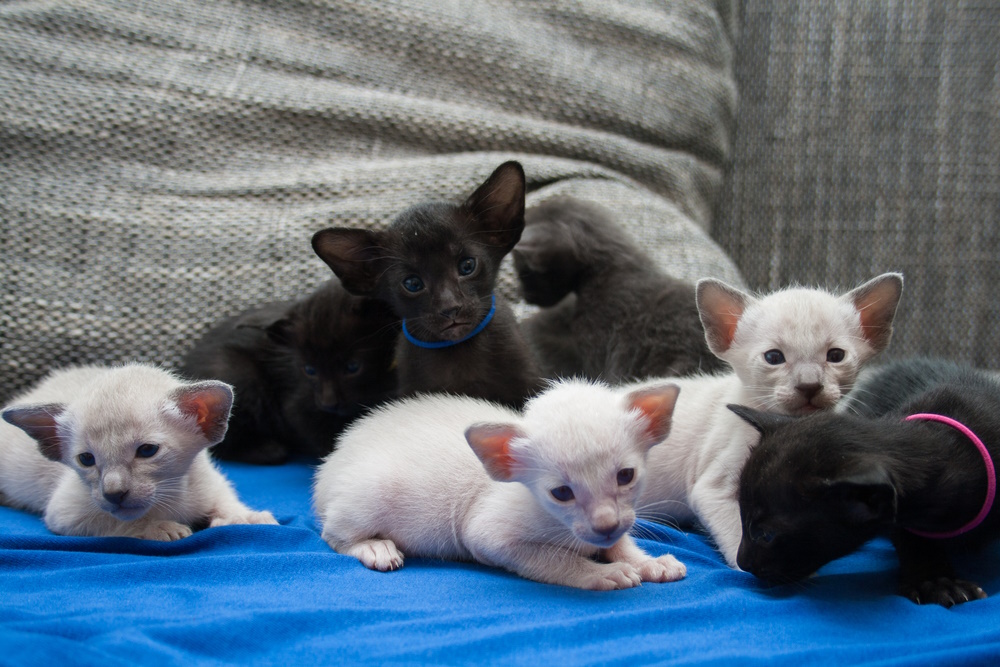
[436, 265]
[549, 497]
[794, 351]
[629, 319]
[119, 452]
[301, 371]
[817, 488]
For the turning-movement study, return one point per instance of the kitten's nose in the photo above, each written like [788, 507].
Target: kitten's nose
[115, 498]
[809, 390]
[450, 313]
[607, 529]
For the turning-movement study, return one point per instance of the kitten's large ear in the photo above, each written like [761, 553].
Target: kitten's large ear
[209, 403]
[720, 307]
[498, 207]
[355, 255]
[865, 497]
[278, 329]
[876, 302]
[764, 422]
[491, 443]
[39, 422]
[657, 407]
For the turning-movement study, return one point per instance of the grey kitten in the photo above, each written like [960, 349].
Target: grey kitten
[610, 313]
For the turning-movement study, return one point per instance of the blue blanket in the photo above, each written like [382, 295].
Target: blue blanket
[277, 594]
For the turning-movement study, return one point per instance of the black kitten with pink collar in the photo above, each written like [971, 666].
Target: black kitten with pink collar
[436, 265]
[911, 452]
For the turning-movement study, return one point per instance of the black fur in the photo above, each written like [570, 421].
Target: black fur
[301, 370]
[819, 487]
[609, 313]
[429, 247]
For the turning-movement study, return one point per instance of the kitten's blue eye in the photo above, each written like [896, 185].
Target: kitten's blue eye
[352, 366]
[309, 370]
[625, 476]
[835, 355]
[467, 266]
[774, 357]
[86, 459]
[147, 450]
[413, 284]
[563, 494]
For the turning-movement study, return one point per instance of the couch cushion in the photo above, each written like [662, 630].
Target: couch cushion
[165, 163]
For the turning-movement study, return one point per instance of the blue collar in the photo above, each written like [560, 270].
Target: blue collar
[436, 345]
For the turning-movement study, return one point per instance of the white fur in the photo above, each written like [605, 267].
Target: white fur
[694, 474]
[404, 479]
[109, 412]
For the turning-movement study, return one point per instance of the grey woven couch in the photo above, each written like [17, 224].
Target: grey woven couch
[163, 164]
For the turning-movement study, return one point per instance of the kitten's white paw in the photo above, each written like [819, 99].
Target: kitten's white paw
[663, 569]
[381, 555]
[612, 576]
[165, 531]
[248, 517]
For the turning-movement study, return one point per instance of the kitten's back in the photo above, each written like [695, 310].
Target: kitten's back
[888, 388]
[407, 459]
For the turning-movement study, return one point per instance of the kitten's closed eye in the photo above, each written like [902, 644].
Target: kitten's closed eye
[146, 450]
[774, 357]
[563, 494]
[86, 459]
[835, 355]
[759, 535]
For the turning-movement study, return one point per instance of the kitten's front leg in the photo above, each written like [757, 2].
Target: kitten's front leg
[223, 507]
[663, 569]
[550, 564]
[714, 500]
[92, 522]
[926, 575]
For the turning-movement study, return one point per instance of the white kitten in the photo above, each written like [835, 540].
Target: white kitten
[119, 451]
[794, 351]
[406, 479]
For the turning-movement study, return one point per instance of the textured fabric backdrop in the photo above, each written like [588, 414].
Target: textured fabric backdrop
[868, 139]
[165, 163]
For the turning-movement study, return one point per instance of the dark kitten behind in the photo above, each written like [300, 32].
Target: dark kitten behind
[301, 370]
[610, 313]
[436, 265]
[819, 487]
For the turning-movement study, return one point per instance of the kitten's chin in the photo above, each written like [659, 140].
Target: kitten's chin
[127, 513]
[456, 330]
[601, 540]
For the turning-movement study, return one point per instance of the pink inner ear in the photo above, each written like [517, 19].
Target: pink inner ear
[876, 304]
[209, 404]
[491, 443]
[721, 311]
[657, 406]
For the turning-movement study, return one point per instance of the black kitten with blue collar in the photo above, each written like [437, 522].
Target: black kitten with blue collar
[911, 452]
[436, 265]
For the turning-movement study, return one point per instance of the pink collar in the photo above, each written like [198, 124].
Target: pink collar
[991, 480]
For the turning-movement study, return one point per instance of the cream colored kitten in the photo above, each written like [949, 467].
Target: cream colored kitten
[119, 451]
[794, 351]
[548, 495]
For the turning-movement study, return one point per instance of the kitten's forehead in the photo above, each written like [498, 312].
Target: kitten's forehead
[581, 421]
[123, 405]
[799, 316]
